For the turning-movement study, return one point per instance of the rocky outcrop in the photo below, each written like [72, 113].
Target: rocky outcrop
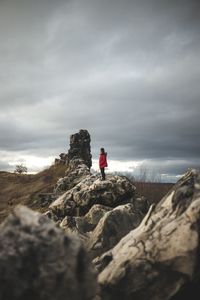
[115, 190]
[74, 174]
[79, 149]
[87, 223]
[62, 160]
[78, 162]
[83, 199]
[79, 190]
[103, 227]
[46, 199]
[114, 225]
[160, 257]
[85, 205]
[38, 261]
[96, 213]
[140, 253]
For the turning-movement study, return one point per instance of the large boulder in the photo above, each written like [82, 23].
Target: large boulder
[38, 261]
[87, 223]
[160, 258]
[114, 225]
[95, 214]
[115, 190]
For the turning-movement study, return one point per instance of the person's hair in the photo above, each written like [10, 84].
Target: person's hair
[102, 150]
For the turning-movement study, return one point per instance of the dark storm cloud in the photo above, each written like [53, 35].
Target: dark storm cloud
[128, 71]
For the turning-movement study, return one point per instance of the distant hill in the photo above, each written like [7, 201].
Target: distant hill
[25, 189]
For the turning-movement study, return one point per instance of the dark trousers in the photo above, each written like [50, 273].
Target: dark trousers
[103, 173]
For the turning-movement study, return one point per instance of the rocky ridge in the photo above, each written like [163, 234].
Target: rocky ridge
[137, 252]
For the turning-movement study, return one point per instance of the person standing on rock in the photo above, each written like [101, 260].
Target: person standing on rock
[103, 162]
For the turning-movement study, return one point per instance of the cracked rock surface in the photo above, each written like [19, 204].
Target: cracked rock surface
[160, 257]
[114, 225]
[114, 191]
[87, 223]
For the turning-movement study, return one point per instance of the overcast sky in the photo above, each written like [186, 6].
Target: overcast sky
[128, 71]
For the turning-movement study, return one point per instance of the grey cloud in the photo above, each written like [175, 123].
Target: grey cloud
[5, 166]
[127, 71]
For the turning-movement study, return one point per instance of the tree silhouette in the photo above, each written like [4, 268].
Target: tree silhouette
[20, 169]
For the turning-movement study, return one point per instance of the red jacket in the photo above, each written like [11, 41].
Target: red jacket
[103, 160]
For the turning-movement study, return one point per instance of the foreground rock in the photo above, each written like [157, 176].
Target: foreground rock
[115, 190]
[160, 257]
[38, 261]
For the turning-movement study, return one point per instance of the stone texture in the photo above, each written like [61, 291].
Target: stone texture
[46, 199]
[87, 223]
[38, 261]
[76, 225]
[141, 204]
[80, 147]
[160, 257]
[62, 160]
[75, 173]
[115, 190]
[112, 227]
[95, 214]
[78, 162]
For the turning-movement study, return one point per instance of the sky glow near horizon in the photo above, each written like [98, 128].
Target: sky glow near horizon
[36, 164]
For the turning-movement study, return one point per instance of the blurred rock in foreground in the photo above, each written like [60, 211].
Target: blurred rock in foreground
[160, 258]
[38, 261]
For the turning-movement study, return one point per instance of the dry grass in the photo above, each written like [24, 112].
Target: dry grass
[153, 191]
[24, 189]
